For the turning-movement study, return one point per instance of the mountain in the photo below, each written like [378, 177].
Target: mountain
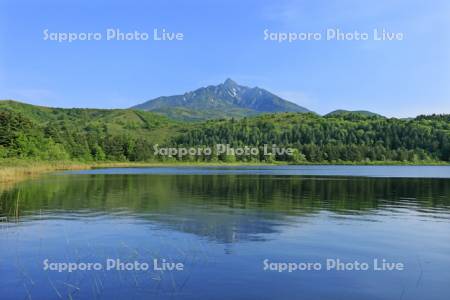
[225, 100]
[342, 112]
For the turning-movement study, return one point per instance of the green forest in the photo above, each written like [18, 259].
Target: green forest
[47, 134]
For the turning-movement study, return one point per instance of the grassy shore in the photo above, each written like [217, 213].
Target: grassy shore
[14, 170]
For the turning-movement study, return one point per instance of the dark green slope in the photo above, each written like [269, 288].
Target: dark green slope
[342, 137]
[342, 112]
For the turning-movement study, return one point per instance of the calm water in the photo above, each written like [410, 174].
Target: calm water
[222, 224]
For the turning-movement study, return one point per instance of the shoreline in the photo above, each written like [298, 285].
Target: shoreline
[16, 170]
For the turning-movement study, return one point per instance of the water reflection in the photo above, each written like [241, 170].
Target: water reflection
[222, 226]
[225, 208]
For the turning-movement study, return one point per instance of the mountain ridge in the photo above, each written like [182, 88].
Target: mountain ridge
[227, 99]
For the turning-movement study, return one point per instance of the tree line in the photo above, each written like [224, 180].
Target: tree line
[340, 138]
[347, 137]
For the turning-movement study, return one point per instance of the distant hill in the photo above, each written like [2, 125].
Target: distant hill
[225, 100]
[116, 122]
[341, 112]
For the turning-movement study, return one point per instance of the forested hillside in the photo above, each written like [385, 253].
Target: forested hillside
[343, 137]
[28, 131]
[41, 133]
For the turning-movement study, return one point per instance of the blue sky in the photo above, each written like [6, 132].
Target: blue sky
[225, 39]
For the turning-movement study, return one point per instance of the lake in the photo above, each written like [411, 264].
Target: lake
[284, 232]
